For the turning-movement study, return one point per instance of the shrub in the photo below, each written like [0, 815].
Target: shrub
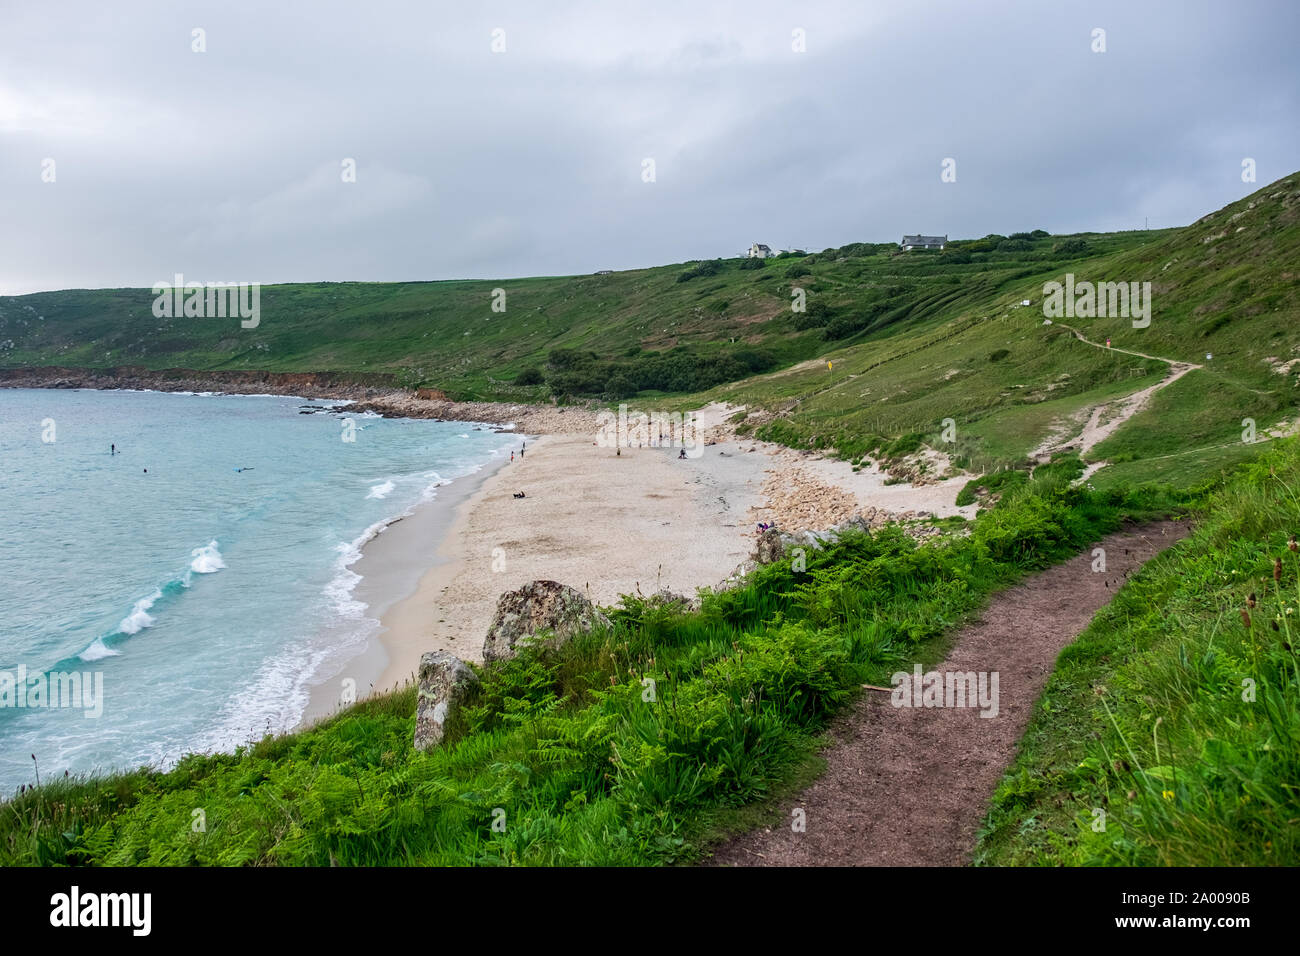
[1071, 246]
[620, 386]
[529, 376]
[709, 267]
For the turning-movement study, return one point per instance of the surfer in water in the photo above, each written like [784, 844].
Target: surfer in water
[112, 449]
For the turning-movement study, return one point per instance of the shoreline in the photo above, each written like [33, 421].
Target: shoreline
[604, 523]
[384, 399]
[392, 565]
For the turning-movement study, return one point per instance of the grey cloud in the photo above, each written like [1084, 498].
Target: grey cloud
[472, 164]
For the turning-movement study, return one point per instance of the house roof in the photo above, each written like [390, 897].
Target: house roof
[761, 246]
[923, 240]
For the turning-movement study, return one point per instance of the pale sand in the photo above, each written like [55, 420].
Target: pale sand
[603, 523]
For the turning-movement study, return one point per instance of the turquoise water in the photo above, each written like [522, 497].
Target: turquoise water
[204, 597]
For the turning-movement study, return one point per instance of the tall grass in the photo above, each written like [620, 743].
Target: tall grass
[1177, 713]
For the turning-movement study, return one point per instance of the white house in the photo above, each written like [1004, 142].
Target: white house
[923, 242]
[758, 251]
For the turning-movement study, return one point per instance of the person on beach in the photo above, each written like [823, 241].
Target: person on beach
[512, 456]
[681, 455]
[522, 446]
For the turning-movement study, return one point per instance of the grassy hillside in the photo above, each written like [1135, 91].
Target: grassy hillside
[446, 335]
[914, 338]
[1226, 285]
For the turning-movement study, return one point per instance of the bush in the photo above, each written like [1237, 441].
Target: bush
[620, 386]
[753, 263]
[530, 376]
[1071, 246]
[996, 483]
[709, 267]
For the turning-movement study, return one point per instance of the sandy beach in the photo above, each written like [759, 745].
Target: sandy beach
[607, 524]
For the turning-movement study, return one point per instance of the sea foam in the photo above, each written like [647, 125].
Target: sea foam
[207, 560]
[382, 491]
[139, 618]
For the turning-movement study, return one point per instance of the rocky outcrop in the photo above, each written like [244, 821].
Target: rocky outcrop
[356, 386]
[444, 679]
[537, 607]
[670, 599]
[769, 547]
[370, 392]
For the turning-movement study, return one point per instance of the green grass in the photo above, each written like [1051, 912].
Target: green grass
[1171, 714]
[564, 748]
[1183, 469]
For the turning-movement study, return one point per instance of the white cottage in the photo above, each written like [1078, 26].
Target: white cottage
[923, 242]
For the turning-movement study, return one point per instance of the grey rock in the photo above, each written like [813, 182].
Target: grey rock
[536, 607]
[769, 547]
[444, 679]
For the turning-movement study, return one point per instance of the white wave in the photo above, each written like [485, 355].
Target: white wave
[340, 587]
[139, 618]
[97, 651]
[207, 560]
[382, 491]
[274, 700]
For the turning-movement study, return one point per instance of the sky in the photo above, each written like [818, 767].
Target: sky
[498, 140]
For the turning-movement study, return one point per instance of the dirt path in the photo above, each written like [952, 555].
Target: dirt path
[1095, 430]
[909, 786]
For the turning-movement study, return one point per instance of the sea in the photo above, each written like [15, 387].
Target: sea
[176, 569]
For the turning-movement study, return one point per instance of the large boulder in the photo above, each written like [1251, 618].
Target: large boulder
[444, 679]
[539, 606]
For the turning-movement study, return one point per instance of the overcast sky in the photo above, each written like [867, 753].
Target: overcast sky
[228, 165]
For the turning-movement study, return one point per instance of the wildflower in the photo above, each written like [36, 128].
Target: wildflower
[1245, 617]
[1250, 601]
[1277, 569]
[1291, 544]
[1167, 794]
